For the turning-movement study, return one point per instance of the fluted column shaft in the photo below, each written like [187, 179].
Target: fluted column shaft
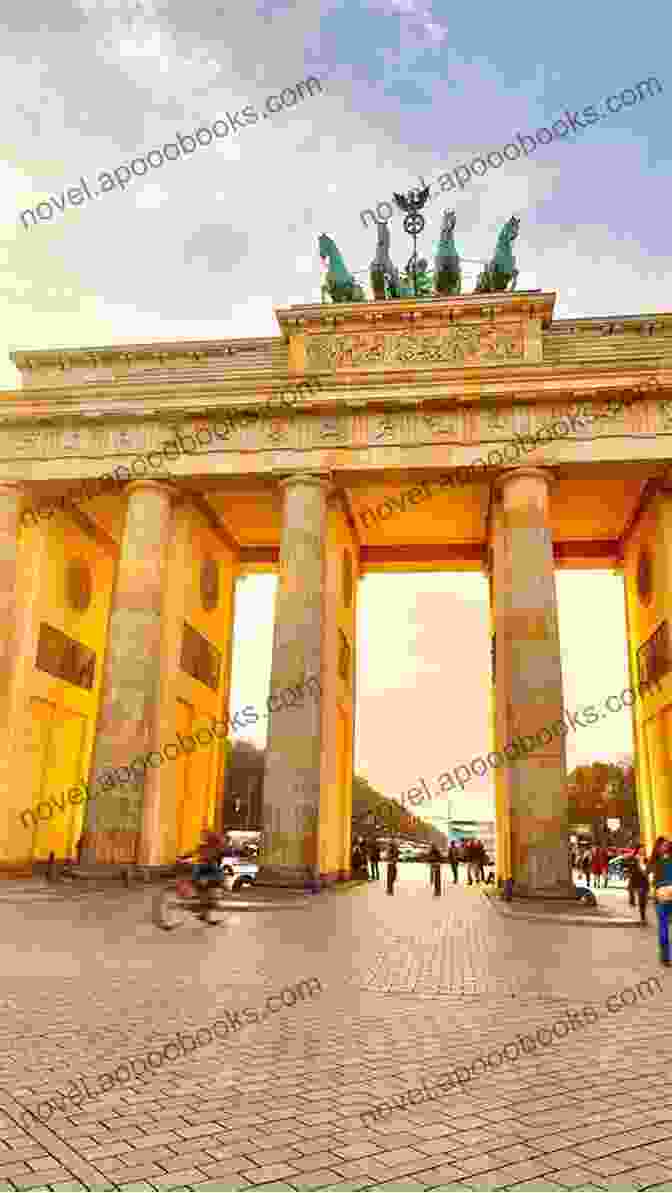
[14, 621]
[292, 775]
[529, 703]
[128, 720]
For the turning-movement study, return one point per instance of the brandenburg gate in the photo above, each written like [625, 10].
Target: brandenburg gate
[139, 482]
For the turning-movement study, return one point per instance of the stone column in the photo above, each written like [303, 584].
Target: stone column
[292, 774]
[15, 608]
[529, 705]
[127, 725]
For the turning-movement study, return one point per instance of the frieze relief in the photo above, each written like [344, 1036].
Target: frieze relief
[493, 421]
[456, 346]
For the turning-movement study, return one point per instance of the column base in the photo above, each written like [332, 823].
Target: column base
[109, 846]
[292, 877]
[564, 892]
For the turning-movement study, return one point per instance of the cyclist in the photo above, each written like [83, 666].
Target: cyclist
[212, 849]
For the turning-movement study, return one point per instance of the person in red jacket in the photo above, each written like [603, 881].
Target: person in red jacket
[596, 865]
[604, 856]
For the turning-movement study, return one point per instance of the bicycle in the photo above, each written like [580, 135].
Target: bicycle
[187, 896]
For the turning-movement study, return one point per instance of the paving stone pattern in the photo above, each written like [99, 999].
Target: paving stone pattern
[413, 986]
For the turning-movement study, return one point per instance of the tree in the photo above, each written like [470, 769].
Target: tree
[599, 792]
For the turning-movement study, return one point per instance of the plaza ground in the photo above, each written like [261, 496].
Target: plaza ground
[412, 986]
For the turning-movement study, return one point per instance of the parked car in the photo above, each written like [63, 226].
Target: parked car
[618, 864]
[243, 871]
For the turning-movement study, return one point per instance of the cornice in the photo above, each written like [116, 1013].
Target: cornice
[353, 390]
[167, 349]
[613, 324]
[329, 317]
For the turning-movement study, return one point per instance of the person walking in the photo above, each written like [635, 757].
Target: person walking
[638, 881]
[604, 855]
[585, 866]
[596, 865]
[374, 858]
[469, 858]
[453, 858]
[629, 866]
[435, 860]
[660, 866]
[479, 858]
[392, 859]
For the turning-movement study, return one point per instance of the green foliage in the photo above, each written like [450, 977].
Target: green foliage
[391, 817]
[600, 791]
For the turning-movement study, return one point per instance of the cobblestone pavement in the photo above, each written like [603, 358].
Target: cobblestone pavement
[412, 986]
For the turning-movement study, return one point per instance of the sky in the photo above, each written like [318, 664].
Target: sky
[208, 245]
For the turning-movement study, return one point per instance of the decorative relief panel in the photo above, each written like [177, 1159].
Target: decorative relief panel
[30, 442]
[209, 584]
[199, 658]
[439, 424]
[456, 346]
[71, 440]
[333, 427]
[665, 415]
[493, 422]
[78, 584]
[277, 430]
[125, 439]
[387, 426]
[64, 657]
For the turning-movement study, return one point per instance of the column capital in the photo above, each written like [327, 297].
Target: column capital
[319, 478]
[513, 474]
[163, 487]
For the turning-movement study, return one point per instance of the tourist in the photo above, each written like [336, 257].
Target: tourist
[470, 860]
[585, 866]
[435, 860]
[604, 857]
[596, 865]
[454, 859]
[374, 858]
[392, 859]
[479, 857]
[660, 866]
[628, 870]
[638, 880]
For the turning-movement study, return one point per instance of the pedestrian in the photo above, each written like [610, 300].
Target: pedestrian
[453, 858]
[638, 881]
[435, 860]
[628, 872]
[392, 859]
[374, 858]
[604, 854]
[660, 866]
[479, 857]
[469, 858]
